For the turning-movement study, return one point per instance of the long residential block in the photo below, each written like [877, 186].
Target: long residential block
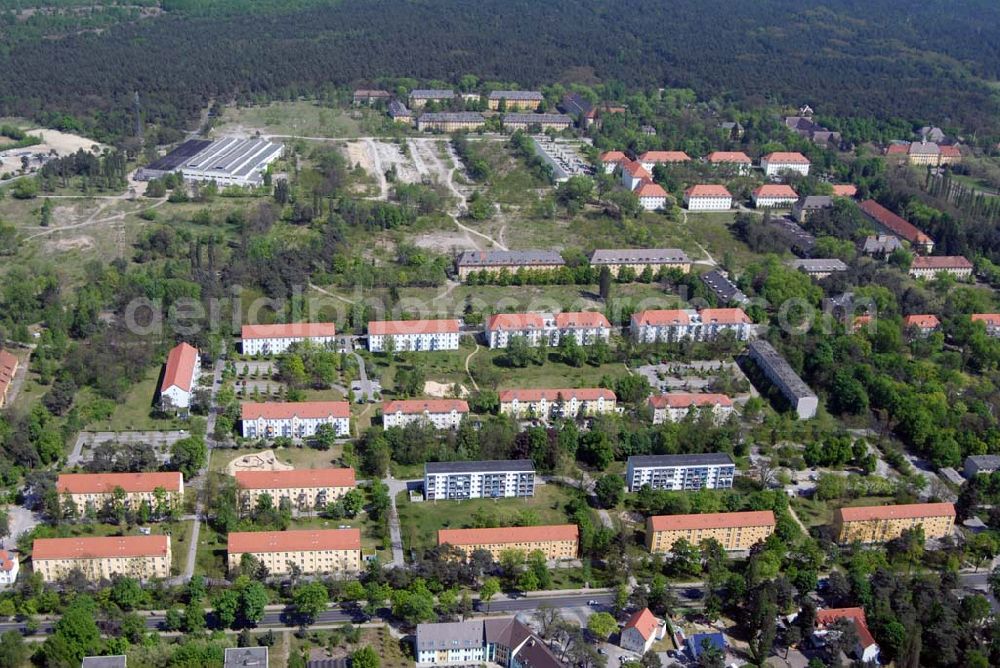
[784, 161]
[673, 325]
[889, 222]
[94, 491]
[713, 470]
[675, 406]
[503, 642]
[735, 531]
[557, 403]
[586, 327]
[294, 419]
[413, 335]
[99, 558]
[442, 413]
[555, 541]
[879, 524]
[494, 261]
[276, 339]
[302, 489]
[640, 259]
[495, 479]
[803, 400]
[314, 552]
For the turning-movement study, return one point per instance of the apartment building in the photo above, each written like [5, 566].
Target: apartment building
[556, 541]
[675, 406]
[449, 481]
[544, 121]
[642, 630]
[708, 197]
[450, 121]
[778, 162]
[879, 524]
[889, 222]
[442, 413]
[773, 195]
[524, 100]
[536, 328]
[413, 335]
[991, 321]
[651, 159]
[652, 196]
[737, 161]
[100, 558]
[9, 567]
[400, 113]
[634, 174]
[303, 489]
[94, 491]
[723, 288]
[314, 552]
[276, 339]
[370, 96]
[421, 96]
[293, 419]
[776, 368]
[712, 470]
[8, 367]
[640, 259]
[557, 403]
[494, 262]
[611, 160]
[818, 267]
[735, 531]
[505, 642]
[929, 266]
[927, 324]
[671, 325]
[179, 378]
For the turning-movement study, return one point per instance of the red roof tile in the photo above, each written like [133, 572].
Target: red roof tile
[537, 534]
[728, 156]
[991, 319]
[827, 616]
[950, 152]
[298, 478]
[926, 321]
[636, 170]
[688, 399]
[846, 190]
[314, 410]
[907, 511]
[8, 365]
[897, 149]
[645, 622]
[707, 190]
[894, 223]
[421, 406]
[786, 158]
[775, 190]
[105, 483]
[391, 327]
[104, 547]
[180, 367]
[613, 156]
[294, 541]
[292, 330]
[553, 394]
[661, 317]
[7, 560]
[650, 189]
[515, 321]
[664, 156]
[724, 316]
[940, 262]
[753, 518]
[581, 319]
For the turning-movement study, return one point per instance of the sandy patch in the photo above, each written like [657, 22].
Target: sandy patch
[62, 143]
[72, 244]
[261, 461]
[357, 154]
[446, 242]
[443, 390]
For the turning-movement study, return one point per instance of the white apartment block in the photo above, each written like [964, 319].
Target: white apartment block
[479, 480]
[294, 419]
[557, 403]
[179, 378]
[585, 326]
[652, 196]
[276, 339]
[672, 325]
[679, 473]
[413, 335]
[708, 197]
[776, 163]
[634, 174]
[442, 413]
[675, 406]
[771, 195]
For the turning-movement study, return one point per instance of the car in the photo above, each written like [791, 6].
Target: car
[592, 602]
[601, 650]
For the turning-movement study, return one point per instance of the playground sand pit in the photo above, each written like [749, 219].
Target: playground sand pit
[443, 390]
[260, 461]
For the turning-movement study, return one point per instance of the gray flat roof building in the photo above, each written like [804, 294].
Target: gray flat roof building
[639, 256]
[232, 161]
[496, 465]
[723, 289]
[432, 94]
[117, 661]
[700, 459]
[245, 657]
[525, 258]
[452, 117]
[783, 376]
[397, 109]
[539, 119]
[976, 464]
[529, 95]
[818, 266]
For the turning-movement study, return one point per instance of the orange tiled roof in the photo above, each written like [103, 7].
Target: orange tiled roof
[420, 406]
[391, 327]
[897, 149]
[827, 616]
[661, 317]
[906, 511]
[926, 321]
[304, 540]
[650, 189]
[707, 190]
[180, 367]
[775, 190]
[291, 330]
[103, 547]
[636, 170]
[8, 365]
[940, 262]
[729, 156]
[894, 223]
[515, 321]
[298, 478]
[688, 399]
[553, 394]
[613, 156]
[753, 518]
[845, 190]
[277, 410]
[724, 316]
[991, 319]
[105, 483]
[645, 622]
[581, 319]
[538, 534]
[787, 158]
[7, 560]
[950, 151]
[664, 156]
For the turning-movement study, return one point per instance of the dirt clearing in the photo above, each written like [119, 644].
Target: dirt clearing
[261, 461]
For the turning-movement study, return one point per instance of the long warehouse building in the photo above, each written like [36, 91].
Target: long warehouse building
[230, 161]
[780, 372]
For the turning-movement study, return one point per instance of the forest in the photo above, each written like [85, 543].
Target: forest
[882, 59]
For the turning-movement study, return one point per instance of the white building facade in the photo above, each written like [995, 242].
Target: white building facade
[179, 378]
[9, 567]
[557, 403]
[479, 480]
[442, 413]
[776, 163]
[675, 406]
[295, 420]
[587, 327]
[277, 339]
[672, 325]
[680, 472]
[413, 335]
[708, 198]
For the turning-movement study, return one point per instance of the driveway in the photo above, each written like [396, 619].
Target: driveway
[21, 521]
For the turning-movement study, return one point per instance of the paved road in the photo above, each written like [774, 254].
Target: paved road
[395, 534]
[366, 388]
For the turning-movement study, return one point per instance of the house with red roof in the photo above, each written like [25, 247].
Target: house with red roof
[929, 266]
[293, 419]
[276, 339]
[413, 335]
[845, 190]
[671, 325]
[585, 326]
[924, 324]
[652, 196]
[610, 160]
[442, 413]
[866, 650]
[633, 174]
[737, 161]
[708, 197]
[772, 195]
[675, 406]
[8, 567]
[303, 489]
[990, 320]
[778, 162]
[642, 630]
[179, 378]
[651, 159]
[557, 403]
[322, 551]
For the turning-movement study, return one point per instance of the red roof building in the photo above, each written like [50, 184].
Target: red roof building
[294, 541]
[925, 322]
[931, 265]
[303, 410]
[905, 511]
[515, 322]
[181, 364]
[663, 157]
[296, 479]
[762, 518]
[724, 157]
[787, 158]
[867, 650]
[403, 327]
[724, 316]
[106, 483]
[421, 406]
[688, 399]
[991, 320]
[650, 189]
[896, 225]
[661, 318]
[296, 330]
[579, 394]
[581, 319]
[100, 547]
[636, 170]
[846, 190]
[707, 190]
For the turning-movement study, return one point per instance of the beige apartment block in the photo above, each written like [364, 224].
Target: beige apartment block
[313, 552]
[557, 541]
[735, 531]
[94, 491]
[878, 524]
[99, 558]
[303, 489]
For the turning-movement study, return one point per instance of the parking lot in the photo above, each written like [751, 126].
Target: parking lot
[160, 440]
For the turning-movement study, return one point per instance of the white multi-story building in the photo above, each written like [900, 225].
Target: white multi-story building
[179, 378]
[585, 326]
[651, 159]
[991, 321]
[652, 196]
[479, 480]
[671, 325]
[781, 161]
[772, 195]
[8, 567]
[777, 369]
[294, 419]
[442, 413]
[413, 335]
[714, 470]
[497, 641]
[276, 339]
[708, 197]
[610, 160]
[675, 406]
[557, 403]
[738, 161]
[932, 265]
[633, 174]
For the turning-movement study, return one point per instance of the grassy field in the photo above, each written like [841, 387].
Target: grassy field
[134, 411]
[420, 521]
[552, 374]
[210, 558]
[814, 512]
[299, 458]
[302, 118]
[392, 652]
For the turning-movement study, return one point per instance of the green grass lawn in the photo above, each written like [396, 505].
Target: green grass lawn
[134, 411]
[421, 521]
[210, 559]
[814, 512]
[301, 117]
[299, 458]
[552, 374]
